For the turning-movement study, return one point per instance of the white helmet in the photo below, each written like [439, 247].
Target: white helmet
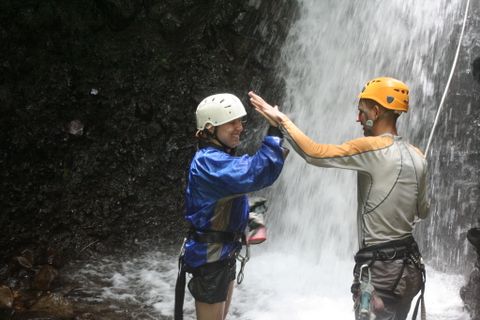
[219, 109]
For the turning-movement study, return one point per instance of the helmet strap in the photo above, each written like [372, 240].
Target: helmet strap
[214, 135]
[211, 137]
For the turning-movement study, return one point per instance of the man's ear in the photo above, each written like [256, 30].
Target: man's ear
[376, 109]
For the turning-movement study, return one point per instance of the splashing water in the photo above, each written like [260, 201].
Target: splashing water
[277, 286]
[333, 49]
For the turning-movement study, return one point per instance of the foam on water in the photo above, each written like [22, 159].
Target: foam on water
[277, 286]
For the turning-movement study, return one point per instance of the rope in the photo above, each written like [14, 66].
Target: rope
[449, 79]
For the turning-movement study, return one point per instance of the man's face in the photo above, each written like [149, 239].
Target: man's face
[229, 133]
[365, 113]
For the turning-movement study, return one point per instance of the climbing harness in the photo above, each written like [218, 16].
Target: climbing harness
[206, 236]
[210, 236]
[406, 250]
[442, 100]
[366, 292]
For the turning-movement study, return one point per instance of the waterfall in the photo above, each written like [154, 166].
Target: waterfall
[304, 270]
[331, 51]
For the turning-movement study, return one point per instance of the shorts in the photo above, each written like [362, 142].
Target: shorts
[394, 279]
[210, 282]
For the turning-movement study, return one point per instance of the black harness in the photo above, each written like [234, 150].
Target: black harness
[210, 236]
[206, 236]
[392, 250]
[405, 249]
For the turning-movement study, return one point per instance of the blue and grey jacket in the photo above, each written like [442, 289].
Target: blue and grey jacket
[215, 195]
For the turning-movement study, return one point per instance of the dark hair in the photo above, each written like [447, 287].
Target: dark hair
[387, 112]
[370, 103]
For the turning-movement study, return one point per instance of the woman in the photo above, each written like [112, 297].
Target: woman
[216, 204]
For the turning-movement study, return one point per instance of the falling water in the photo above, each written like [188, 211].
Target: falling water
[333, 49]
[304, 270]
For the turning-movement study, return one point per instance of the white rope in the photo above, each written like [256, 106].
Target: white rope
[449, 80]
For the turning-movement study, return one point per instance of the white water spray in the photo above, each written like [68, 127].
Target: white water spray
[332, 50]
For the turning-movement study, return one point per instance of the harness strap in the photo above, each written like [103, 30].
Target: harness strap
[400, 274]
[211, 236]
[421, 298]
[180, 289]
[392, 250]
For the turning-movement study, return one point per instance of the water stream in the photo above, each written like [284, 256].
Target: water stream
[304, 271]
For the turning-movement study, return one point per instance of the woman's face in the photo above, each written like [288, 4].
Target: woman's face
[229, 133]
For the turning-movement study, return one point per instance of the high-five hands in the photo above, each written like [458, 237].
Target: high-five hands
[272, 114]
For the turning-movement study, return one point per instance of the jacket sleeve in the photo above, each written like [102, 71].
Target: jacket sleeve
[353, 154]
[229, 175]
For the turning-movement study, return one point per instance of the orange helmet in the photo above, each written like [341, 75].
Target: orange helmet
[390, 93]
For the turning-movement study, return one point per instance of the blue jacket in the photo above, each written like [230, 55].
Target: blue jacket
[215, 194]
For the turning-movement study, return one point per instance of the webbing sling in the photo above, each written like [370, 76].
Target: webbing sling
[180, 289]
[423, 314]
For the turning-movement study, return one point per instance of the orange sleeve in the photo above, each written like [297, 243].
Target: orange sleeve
[358, 154]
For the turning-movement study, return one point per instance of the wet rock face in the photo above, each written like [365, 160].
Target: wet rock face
[97, 101]
[26, 284]
[470, 293]
[476, 69]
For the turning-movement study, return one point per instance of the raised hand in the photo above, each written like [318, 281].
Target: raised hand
[272, 114]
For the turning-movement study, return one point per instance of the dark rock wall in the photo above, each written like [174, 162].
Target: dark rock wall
[97, 100]
[470, 292]
[454, 161]
[455, 172]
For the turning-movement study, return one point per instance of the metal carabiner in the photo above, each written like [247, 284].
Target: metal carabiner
[365, 266]
[366, 293]
[243, 261]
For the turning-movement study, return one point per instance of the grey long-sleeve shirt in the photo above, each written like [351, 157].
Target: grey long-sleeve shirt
[392, 187]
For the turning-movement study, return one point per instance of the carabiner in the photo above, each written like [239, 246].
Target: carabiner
[243, 261]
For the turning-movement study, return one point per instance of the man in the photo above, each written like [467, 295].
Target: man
[216, 204]
[392, 195]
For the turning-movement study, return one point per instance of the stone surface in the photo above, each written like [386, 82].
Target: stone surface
[454, 163]
[454, 160]
[470, 293]
[97, 101]
[6, 297]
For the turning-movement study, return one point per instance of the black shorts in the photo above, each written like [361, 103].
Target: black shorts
[210, 282]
